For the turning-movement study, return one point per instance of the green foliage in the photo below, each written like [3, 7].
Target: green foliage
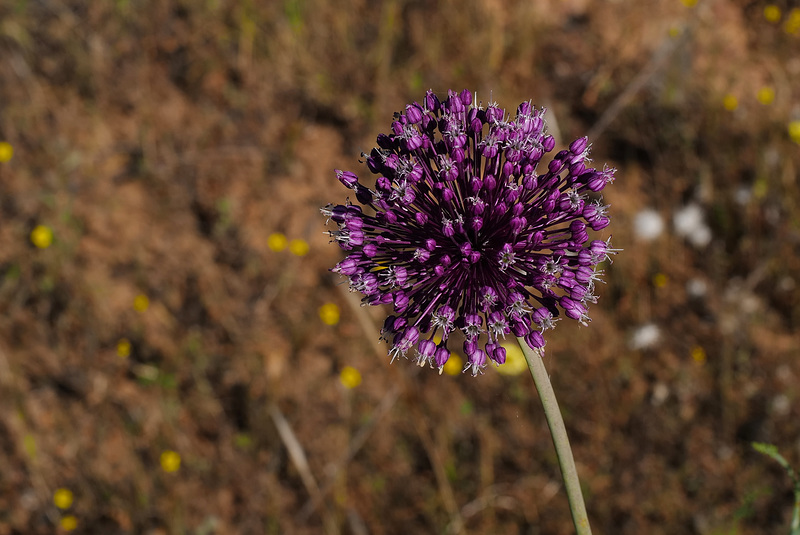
[771, 450]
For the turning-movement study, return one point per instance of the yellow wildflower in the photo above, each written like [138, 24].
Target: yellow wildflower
[772, 13]
[124, 348]
[515, 362]
[170, 461]
[62, 498]
[68, 523]
[141, 303]
[766, 95]
[277, 242]
[794, 131]
[792, 24]
[42, 236]
[454, 364]
[6, 151]
[329, 314]
[350, 377]
[699, 354]
[298, 247]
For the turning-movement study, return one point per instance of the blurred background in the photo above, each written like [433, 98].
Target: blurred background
[175, 356]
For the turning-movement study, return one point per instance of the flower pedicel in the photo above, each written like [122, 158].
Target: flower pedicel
[467, 229]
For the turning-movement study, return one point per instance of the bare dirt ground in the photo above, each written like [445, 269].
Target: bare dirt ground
[150, 313]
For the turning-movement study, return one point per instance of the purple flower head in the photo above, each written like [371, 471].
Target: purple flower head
[467, 229]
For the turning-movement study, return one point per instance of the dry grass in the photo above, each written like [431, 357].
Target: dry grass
[164, 142]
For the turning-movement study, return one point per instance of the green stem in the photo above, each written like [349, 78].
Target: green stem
[559, 433]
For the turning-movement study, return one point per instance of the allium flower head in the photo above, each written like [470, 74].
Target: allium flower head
[467, 229]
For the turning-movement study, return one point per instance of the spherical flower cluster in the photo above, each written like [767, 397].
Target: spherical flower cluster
[465, 229]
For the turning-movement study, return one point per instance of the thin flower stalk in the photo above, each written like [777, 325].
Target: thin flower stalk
[558, 432]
